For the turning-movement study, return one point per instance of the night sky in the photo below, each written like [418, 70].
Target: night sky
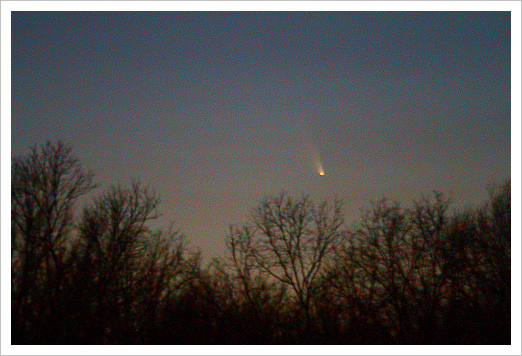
[216, 110]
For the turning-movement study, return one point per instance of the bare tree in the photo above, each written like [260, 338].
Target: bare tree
[492, 273]
[45, 185]
[369, 269]
[494, 224]
[114, 225]
[161, 271]
[113, 232]
[391, 269]
[288, 240]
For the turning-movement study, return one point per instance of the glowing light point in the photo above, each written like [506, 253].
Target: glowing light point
[321, 173]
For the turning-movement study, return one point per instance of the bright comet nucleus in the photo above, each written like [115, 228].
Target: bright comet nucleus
[321, 173]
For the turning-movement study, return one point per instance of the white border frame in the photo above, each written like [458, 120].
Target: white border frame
[516, 142]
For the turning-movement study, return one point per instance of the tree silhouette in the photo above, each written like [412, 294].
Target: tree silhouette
[132, 270]
[293, 273]
[414, 274]
[288, 240]
[44, 187]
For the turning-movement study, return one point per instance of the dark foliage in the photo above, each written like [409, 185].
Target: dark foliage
[294, 273]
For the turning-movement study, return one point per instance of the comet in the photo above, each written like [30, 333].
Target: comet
[310, 148]
[316, 158]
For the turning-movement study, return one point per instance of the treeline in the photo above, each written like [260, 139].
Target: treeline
[294, 272]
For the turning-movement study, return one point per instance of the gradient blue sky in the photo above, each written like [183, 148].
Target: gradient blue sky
[217, 110]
